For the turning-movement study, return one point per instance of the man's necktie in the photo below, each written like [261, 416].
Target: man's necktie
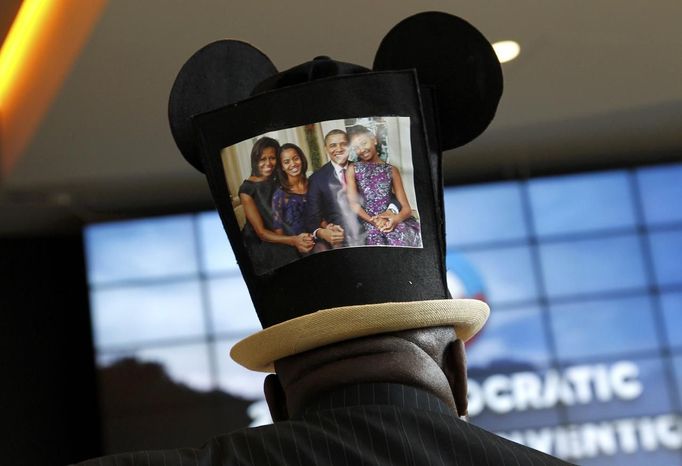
[342, 175]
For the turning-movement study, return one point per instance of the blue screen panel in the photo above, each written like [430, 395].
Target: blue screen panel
[510, 337]
[672, 314]
[483, 214]
[141, 249]
[141, 314]
[598, 328]
[589, 266]
[666, 249]
[581, 203]
[507, 274]
[216, 252]
[677, 367]
[661, 191]
[231, 306]
[233, 378]
[464, 279]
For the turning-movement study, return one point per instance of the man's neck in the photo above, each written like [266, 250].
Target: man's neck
[384, 360]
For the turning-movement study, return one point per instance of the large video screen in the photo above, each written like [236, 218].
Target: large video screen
[581, 357]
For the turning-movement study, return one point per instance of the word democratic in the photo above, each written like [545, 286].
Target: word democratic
[575, 385]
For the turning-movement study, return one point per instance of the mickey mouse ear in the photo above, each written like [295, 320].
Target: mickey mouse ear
[454, 58]
[219, 74]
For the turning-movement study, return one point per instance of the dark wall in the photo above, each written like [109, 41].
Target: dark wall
[48, 406]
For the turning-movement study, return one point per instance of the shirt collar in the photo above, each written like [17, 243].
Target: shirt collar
[398, 395]
[337, 167]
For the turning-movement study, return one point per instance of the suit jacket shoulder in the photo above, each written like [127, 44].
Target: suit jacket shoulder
[322, 204]
[322, 174]
[374, 424]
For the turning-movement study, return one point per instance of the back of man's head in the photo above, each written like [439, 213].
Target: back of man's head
[430, 358]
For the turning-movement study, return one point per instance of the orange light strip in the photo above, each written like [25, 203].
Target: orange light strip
[22, 35]
[42, 45]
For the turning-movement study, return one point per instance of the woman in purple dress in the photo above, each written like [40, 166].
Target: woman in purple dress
[370, 182]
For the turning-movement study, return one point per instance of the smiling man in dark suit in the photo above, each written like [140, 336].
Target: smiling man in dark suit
[328, 213]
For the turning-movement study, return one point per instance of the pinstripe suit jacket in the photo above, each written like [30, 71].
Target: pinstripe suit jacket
[373, 424]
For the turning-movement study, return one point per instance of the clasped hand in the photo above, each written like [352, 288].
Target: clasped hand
[385, 222]
[332, 234]
[304, 243]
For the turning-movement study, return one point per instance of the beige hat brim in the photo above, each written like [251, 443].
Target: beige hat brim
[259, 351]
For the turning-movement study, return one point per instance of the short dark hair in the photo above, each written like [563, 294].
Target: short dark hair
[281, 176]
[333, 132]
[257, 151]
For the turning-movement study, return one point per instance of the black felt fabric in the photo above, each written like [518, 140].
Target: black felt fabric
[457, 61]
[343, 277]
[320, 67]
[218, 74]
[435, 159]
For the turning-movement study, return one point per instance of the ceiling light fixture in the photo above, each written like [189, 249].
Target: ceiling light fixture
[506, 50]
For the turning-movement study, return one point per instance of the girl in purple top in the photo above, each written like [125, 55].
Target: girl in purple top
[289, 199]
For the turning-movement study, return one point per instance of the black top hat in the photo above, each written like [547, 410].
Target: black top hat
[435, 85]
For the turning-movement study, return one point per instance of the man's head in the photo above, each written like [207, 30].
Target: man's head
[431, 358]
[336, 145]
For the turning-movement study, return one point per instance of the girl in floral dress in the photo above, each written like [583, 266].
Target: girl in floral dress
[370, 182]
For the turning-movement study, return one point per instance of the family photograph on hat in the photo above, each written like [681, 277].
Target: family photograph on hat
[323, 186]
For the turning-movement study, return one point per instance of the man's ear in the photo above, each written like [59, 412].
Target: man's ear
[455, 368]
[276, 398]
